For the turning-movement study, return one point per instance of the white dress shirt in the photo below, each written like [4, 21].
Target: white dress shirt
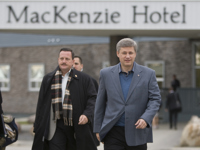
[64, 84]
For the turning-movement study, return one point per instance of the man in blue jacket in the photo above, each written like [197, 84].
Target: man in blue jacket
[127, 100]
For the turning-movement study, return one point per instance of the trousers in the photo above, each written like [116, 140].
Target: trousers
[115, 140]
[64, 137]
[173, 115]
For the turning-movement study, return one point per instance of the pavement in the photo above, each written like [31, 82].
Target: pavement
[164, 139]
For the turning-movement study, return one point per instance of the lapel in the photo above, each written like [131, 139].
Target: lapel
[75, 75]
[136, 78]
[116, 80]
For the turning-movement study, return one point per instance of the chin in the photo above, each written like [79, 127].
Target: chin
[128, 64]
[63, 68]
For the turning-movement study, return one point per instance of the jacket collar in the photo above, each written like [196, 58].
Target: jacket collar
[75, 74]
[136, 78]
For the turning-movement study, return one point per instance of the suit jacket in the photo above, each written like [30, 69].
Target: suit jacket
[143, 101]
[83, 95]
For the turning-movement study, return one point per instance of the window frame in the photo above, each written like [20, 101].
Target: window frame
[29, 77]
[3, 89]
[163, 70]
[194, 67]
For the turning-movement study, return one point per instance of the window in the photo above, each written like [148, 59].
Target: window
[5, 77]
[158, 66]
[105, 64]
[197, 66]
[36, 73]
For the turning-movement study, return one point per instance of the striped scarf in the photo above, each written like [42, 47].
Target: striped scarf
[60, 109]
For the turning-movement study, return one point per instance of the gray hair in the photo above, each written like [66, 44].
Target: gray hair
[126, 42]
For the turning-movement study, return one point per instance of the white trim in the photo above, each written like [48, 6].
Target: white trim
[160, 79]
[7, 80]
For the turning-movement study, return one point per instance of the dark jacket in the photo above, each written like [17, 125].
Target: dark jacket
[83, 95]
[175, 84]
[95, 84]
[1, 119]
[171, 102]
[1, 100]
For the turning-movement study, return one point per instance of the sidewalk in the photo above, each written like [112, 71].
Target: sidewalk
[25, 139]
[164, 139]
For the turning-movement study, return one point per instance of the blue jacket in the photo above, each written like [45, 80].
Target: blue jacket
[143, 101]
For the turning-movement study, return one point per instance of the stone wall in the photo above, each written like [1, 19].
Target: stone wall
[177, 56]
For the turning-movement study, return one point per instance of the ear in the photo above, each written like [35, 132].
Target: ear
[82, 66]
[117, 53]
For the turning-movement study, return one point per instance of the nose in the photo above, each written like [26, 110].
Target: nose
[127, 55]
[64, 60]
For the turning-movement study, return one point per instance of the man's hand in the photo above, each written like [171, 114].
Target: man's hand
[98, 137]
[141, 124]
[83, 120]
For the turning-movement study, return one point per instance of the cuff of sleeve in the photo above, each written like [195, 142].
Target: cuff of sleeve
[89, 118]
[148, 125]
[96, 128]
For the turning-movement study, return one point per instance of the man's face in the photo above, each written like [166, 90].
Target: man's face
[65, 61]
[77, 65]
[126, 56]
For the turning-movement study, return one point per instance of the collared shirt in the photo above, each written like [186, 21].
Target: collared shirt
[64, 84]
[120, 69]
[125, 80]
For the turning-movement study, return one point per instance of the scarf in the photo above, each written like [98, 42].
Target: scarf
[60, 109]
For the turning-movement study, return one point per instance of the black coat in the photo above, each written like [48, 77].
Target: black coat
[1, 119]
[1, 100]
[175, 84]
[171, 101]
[83, 95]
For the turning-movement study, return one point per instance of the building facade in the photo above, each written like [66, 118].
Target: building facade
[26, 59]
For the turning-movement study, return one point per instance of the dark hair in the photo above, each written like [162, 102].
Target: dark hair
[80, 59]
[67, 50]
